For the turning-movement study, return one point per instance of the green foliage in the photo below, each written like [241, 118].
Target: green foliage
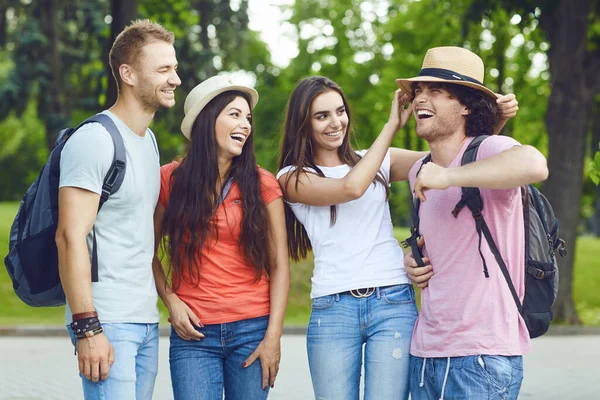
[22, 154]
[595, 169]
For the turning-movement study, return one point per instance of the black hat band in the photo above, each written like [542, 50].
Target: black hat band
[447, 75]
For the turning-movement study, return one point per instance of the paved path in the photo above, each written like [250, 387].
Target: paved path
[560, 367]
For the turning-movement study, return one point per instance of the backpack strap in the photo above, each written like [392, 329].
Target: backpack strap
[471, 197]
[114, 177]
[414, 229]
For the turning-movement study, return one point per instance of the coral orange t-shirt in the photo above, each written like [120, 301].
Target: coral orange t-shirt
[227, 290]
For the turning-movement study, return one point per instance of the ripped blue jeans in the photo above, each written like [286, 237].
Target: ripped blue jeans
[341, 324]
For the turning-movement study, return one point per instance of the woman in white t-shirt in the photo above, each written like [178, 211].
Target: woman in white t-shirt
[337, 206]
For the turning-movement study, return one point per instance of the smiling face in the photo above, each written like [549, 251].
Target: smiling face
[437, 112]
[157, 76]
[329, 121]
[232, 128]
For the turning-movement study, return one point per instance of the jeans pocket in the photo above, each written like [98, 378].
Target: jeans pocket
[497, 369]
[400, 294]
[323, 302]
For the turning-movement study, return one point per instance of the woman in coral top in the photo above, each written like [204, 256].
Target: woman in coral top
[222, 218]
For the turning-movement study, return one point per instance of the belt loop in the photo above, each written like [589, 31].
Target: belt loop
[378, 293]
[337, 297]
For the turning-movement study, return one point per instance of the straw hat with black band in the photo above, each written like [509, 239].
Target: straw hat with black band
[449, 64]
[203, 93]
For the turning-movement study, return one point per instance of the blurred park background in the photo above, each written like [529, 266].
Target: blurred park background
[54, 73]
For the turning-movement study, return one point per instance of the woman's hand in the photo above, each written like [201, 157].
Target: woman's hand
[269, 354]
[508, 106]
[183, 319]
[401, 110]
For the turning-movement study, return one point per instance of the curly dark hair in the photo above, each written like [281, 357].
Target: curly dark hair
[484, 111]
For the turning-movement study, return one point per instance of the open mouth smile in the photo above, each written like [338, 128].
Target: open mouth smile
[334, 134]
[238, 137]
[424, 114]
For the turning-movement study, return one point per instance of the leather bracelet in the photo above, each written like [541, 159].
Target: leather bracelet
[82, 327]
[83, 315]
[89, 334]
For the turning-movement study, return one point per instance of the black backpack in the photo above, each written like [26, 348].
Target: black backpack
[541, 246]
[32, 260]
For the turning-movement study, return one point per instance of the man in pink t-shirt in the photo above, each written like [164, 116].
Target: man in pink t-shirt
[469, 338]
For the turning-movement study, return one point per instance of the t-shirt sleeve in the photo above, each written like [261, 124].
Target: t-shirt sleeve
[86, 158]
[496, 145]
[165, 183]
[269, 186]
[385, 165]
[285, 170]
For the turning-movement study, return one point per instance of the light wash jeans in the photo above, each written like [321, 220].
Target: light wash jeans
[205, 369]
[133, 373]
[479, 377]
[341, 324]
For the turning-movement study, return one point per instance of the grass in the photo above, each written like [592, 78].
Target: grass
[13, 311]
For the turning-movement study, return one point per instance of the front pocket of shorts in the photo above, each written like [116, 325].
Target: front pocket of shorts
[322, 303]
[497, 369]
[402, 294]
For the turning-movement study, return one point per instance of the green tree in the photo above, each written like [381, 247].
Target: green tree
[571, 29]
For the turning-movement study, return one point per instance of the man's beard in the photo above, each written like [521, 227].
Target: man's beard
[150, 102]
[439, 132]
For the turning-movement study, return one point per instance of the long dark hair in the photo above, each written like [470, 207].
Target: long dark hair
[190, 214]
[296, 149]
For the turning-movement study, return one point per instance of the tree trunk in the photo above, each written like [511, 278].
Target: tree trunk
[51, 106]
[122, 12]
[569, 105]
[3, 27]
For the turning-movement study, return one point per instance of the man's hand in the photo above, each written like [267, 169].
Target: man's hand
[95, 355]
[269, 354]
[431, 176]
[419, 275]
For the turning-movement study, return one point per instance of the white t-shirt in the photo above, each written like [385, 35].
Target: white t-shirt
[125, 291]
[360, 250]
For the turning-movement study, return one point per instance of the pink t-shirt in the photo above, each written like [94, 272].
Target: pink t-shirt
[463, 312]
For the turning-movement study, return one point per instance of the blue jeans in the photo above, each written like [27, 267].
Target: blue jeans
[133, 373]
[471, 377]
[203, 369]
[339, 326]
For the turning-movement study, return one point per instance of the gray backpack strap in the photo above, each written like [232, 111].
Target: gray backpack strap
[114, 176]
[116, 173]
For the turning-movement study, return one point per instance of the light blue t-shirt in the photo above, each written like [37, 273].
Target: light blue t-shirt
[125, 291]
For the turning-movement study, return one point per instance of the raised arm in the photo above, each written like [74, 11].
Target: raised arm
[508, 106]
[182, 317]
[77, 210]
[516, 166]
[319, 191]
[269, 350]
[401, 161]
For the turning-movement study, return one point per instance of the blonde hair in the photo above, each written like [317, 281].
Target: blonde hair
[128, 44]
